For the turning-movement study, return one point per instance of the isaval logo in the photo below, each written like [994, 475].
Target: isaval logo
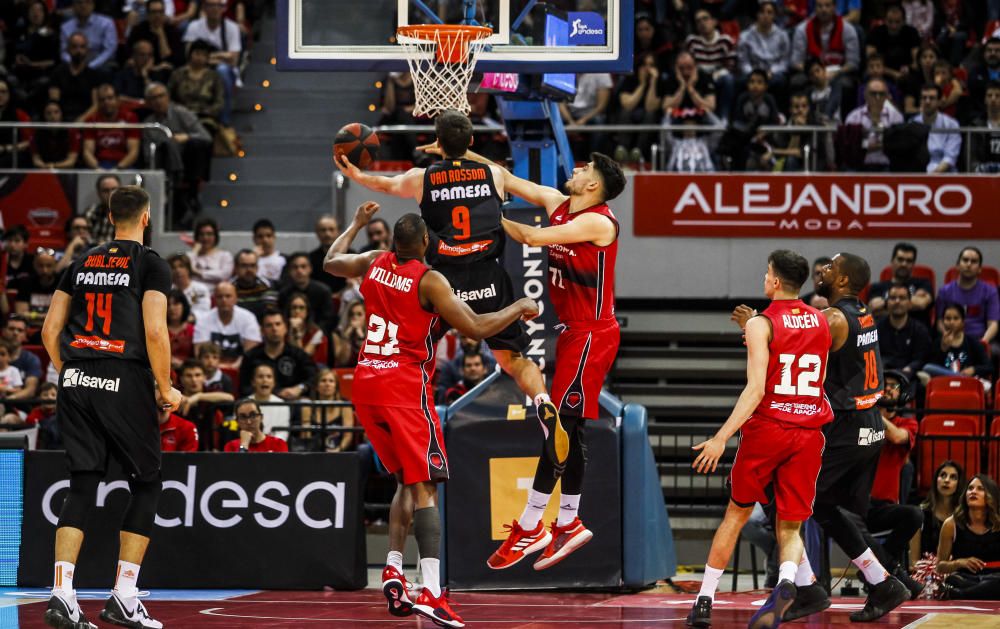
[73, 377]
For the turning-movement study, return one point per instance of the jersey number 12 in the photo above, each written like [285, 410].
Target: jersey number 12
[805, 385]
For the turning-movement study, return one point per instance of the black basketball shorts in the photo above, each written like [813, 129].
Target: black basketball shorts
[107, 408]
[486, 287]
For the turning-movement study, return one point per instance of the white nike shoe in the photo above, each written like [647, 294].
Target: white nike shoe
[128, 612]
[64, 612]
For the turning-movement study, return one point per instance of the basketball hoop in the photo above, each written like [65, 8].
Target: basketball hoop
[441, 58]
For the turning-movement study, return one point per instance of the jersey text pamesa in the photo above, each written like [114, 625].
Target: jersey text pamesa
[831, 206]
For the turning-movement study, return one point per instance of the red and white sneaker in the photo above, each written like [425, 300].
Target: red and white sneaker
[565, 539]
[397, 592]
[519, 544]
[437, 610]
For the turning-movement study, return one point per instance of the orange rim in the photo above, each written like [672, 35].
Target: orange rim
[452, 39]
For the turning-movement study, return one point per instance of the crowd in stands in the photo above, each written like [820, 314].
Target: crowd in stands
[880, 73]
[172, 62]
[258, 325]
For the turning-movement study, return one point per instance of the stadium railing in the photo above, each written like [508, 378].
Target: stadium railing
[16, 126]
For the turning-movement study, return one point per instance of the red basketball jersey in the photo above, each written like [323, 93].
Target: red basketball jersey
[582, 275]
[800, 345]
[396, 362]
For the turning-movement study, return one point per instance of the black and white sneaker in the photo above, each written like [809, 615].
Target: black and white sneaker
[809, 599]
[701, 613]
[882, 599]
[64, 612]
[128, 612]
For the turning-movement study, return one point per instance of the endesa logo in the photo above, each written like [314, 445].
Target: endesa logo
[585, 28]
[270, 504]
[831, 206]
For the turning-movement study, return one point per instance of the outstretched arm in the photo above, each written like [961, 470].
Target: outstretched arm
[587, 228]
[408, 185]
[436, 291]
[758, 332]
[543, 196]
[342, 264]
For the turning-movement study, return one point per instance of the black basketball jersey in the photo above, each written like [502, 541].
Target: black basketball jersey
[854, 372]
[107, 284]
[462, 210]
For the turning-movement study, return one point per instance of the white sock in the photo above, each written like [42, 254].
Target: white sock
[128, 574]
[787, 571]
[395, 559]
[568, 506]
[542, 398]
[537, 501]
[430, 574]
[804, 575]
[710, 583]
[62, 579]
[870, 566]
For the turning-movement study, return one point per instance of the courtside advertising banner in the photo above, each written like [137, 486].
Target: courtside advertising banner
[493, 448]
[251, 520]
[730, 205]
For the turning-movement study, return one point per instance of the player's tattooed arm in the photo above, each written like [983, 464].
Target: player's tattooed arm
[436, 294]
[343, 264]
[408, 185]
[587, 228]
[55, 321]
[758, 333]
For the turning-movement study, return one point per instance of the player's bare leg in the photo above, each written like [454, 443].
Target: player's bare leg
[396, 588]
[431, 604]
[529, 379]
[723, 545]
[790, 550]
[124, 607]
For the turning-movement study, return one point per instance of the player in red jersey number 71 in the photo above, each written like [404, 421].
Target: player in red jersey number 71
[779, 414]
[392, 393]
[582, 243]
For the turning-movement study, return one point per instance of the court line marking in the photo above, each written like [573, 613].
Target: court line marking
[920, 621]
[214, 611]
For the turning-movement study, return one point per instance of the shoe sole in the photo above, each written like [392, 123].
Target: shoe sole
[815, 608]
[904, 595]
[559, 445]
[115, 619]
[565, 551]
[699, 624]
[59, 620]
[428, 613]
[398, 602]
[769, 616]
[534, 548]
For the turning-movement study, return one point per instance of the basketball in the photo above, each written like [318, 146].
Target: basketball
[358, 142]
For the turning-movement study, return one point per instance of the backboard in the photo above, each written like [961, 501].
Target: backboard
[530, 37]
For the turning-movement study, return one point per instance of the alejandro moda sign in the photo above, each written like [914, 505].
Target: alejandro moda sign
[817, 206]
[281, 521]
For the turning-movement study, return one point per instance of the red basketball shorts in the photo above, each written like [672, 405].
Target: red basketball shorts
[785, 455]
[583, 360]
[407, 440]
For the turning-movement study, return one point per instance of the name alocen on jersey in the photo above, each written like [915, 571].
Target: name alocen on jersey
[101, 278]
[454, 193]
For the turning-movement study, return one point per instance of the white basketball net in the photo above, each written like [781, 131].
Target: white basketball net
[441, 62]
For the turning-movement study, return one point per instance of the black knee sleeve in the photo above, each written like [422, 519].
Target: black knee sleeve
[82, 494]
[427, 530]
[844, 527]
[546, 474]
[576, 462]
[141, 509]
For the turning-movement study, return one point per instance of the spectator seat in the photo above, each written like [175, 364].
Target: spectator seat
[919, 270]
[990, 275]
[958, 392]
[345, 381]
[932, 451]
